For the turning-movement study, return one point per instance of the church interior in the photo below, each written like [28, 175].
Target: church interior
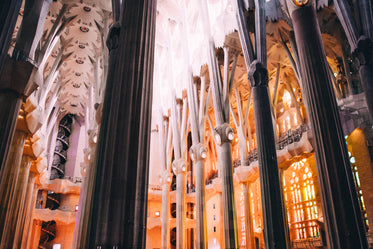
[186, 124]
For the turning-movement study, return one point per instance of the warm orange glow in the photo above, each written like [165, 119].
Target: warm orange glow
[302, 209]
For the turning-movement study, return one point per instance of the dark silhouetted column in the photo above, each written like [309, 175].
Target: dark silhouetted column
[341, 209]
[119, 202]
[273, 220]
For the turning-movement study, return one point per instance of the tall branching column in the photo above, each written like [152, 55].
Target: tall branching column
[16, 176]
[223, 134]
[9, 175]
[256, 63]
[17, 203]
[274, 224]
[179, 168]
[119, 200]
[344, 225]
[84, 224]
[165, 179]
[198, 155]
[245, 173]
[16, 72]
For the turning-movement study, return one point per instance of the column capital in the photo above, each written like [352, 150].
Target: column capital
[290, 6]
[92, 138]
[364, 51]
[165, 177]
[112, 41]
[198, 152]
[245, 174]
[15, 77]
[98, 113]
[258, 74]
[179, 166]
[38, 166]
[34, 146]
[223, 134]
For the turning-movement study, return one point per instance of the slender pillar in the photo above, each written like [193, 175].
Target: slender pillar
[198, 155]
[165, 178]
[22, 232]
[179, 169]
[223, 135]
[119, 202]
[245, 175]
[273, 220]
[248, 216]
[36, 231]
[341, 209]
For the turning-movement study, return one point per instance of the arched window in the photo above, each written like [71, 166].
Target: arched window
[300, 197]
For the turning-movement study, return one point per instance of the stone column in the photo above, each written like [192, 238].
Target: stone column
[119, 200]
[248, 216]
[36, 230]
[88, 173]
[223, 135]
[198, 154]
[165, 180]
[15, 74]
[245, 175]
[341, 209]
[22, 231]
[179, 169]
[16, 203]
[273, 220]
[9, 176]
[13, 86]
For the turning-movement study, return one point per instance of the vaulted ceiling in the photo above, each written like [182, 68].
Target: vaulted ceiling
[180, 48]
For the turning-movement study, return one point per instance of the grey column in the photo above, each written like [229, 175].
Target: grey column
[341, 209]
[223, 135]
[165, 233]
[15, 73]
[248, 215]
[179, 169]
[16, 204]
[273, 220]
[22, 232]
[9, 176]
[119, 202]
[198, 155]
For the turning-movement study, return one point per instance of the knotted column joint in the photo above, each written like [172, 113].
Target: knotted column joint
[179, 166]
[198, 152]
[364, 51]
[112, 41]
[258, 74]
[165, 178]
[223, 134]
